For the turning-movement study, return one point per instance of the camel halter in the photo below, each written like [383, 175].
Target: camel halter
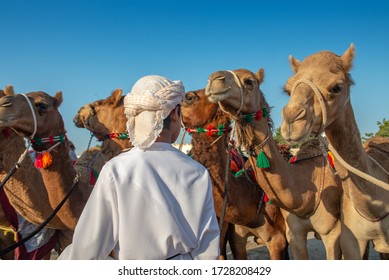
[33, 115]
[350, 168]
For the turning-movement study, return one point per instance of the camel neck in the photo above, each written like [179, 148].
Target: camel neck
[286, 184]
[25, 189]
[344, 136]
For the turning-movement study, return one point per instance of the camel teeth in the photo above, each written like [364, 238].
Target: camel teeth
[6, 104]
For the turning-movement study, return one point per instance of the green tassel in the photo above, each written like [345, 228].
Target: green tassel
[240, 172]
[262, 161]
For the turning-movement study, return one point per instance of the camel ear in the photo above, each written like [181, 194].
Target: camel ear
[260, 75]
[57, 99]
[295, 63]
[116, 96]
[9, 90]
[347, 57]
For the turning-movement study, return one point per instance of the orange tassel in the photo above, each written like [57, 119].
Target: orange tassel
[331, 159]
[47, 160]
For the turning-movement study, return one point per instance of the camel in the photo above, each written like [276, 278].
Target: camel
[106, 120]
[59, 177]
[25, 189]
[245, 206]
[320, 102]
[306, 191]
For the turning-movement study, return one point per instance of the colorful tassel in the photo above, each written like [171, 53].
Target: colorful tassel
[93, 177]
[38, 160]
[240, 172]
[262, 161]
[331, 159]
[47, 160]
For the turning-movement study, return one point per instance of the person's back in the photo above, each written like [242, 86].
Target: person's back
[152, 202]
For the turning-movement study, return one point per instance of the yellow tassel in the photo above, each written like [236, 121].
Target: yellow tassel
[46, 159]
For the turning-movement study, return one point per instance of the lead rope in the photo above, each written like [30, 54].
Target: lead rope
[350, 168]
[227, 173]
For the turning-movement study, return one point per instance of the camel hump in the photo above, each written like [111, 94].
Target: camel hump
[379, 143]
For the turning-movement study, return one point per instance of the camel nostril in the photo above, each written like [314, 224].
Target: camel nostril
[300, 115]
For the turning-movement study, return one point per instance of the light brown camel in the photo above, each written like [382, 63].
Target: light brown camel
[25, 189]
[245, 199]
[307, 190]
[320, 101]
[15, 112]
[105, 118]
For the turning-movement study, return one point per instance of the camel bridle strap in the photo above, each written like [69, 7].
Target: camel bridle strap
[93, 112]
[319, 97]
[350, 168]
[16, 166]
[33, 115]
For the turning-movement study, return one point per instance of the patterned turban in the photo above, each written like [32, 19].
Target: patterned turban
[150, 101]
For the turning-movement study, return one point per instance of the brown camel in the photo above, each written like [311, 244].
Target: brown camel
[306, 190]
[245, 204]
[58, 177]
[105, 118]
[319, 101]
[25, 189]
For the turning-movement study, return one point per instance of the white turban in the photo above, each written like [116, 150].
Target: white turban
[150, 101]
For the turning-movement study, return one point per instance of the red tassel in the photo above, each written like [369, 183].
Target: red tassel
[293, 159]
[258, 115]
[38, 161]
[210, 130]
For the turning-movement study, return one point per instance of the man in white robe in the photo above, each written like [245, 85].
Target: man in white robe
[152, 202]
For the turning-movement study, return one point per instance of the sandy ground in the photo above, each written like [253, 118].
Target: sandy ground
[316, 250]
[260, 252]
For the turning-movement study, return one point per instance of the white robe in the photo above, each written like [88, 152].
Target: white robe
[148, 204]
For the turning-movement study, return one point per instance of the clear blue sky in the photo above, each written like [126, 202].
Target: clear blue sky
[87, 49]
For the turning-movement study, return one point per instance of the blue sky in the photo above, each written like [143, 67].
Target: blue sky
[87, 49]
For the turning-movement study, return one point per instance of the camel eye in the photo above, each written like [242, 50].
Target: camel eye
[42, 106]
[190, 98]
[336, 89]
[249, 82]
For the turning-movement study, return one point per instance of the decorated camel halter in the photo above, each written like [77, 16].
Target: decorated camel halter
[114, 135]
[44, 159]
[262, 160]
[350, 168]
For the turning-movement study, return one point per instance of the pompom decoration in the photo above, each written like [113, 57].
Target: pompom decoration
[47, 160]
[38, 161]
[262, 161]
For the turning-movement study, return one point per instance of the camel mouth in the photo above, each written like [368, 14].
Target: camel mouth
[216, 96]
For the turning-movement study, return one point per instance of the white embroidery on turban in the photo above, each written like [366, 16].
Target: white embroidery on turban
[150, 101]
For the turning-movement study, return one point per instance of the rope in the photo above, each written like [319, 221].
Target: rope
[33, 115]
[319, 97]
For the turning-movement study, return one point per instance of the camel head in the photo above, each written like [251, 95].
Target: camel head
[237, 91]
[16, 113]
[197, 111]
[100, 116]
[320, 83]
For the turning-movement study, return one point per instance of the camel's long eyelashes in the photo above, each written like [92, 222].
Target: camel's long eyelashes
[42, 107]
[336, 89]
